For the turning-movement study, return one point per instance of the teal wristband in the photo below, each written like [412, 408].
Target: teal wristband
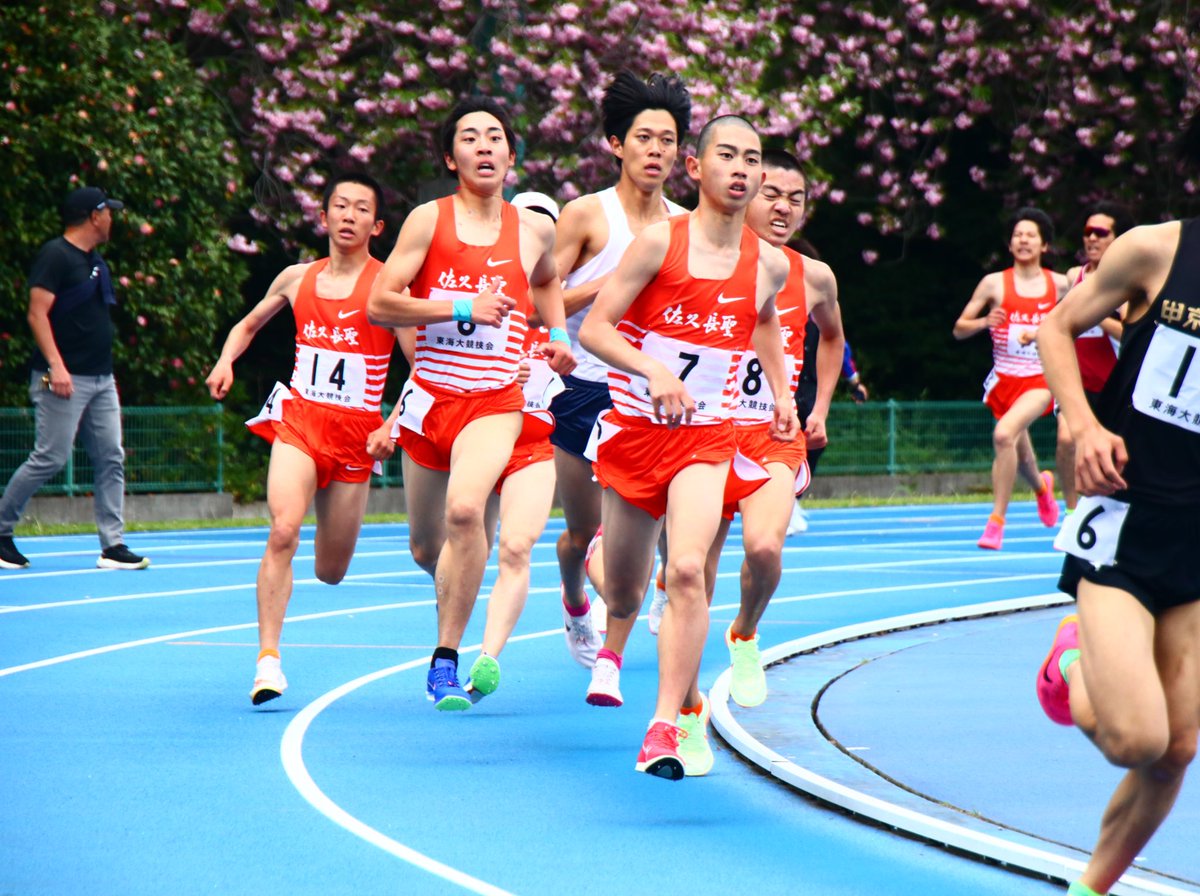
[558, 334]
[462, 310]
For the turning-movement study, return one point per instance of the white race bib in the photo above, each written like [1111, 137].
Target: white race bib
[464, 336]
[331, 377]
[703, 370]
[272, 408]
[1091, 531]
[1016, 349]
[1168, 384]
[602, 431]
[541, 387]
[414, 404]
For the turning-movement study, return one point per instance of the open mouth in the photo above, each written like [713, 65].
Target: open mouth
[779, 225]
[486, 168]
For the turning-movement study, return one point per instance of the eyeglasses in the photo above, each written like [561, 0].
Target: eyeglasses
[770, 194]
[1098, 232]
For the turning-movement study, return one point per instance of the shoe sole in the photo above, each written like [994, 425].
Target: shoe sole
[604, 700]
[669, 768]
[4, 564]
[745, 703]
[113, 564]
[453, 703]
[261, 696]
[485, 676]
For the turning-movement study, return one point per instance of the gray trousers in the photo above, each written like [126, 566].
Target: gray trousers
[94, 413]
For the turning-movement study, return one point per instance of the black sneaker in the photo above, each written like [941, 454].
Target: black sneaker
[120, 557]
[10, 557]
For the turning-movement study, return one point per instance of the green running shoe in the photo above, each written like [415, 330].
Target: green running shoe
[484, 677]
[748, 684]
[694, 749]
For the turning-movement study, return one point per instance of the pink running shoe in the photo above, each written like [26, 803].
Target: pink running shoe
[993, 536]
[1047, 507]
[660, 752]
[1052, 690]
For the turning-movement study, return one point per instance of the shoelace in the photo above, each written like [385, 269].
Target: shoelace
[444, 677]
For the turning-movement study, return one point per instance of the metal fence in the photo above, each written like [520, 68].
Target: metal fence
[183, 449]
[899, 437]
[167, 449]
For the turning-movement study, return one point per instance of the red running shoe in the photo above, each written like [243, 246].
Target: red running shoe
[660, 752]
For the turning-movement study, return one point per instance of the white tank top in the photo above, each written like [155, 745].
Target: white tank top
[587, 365]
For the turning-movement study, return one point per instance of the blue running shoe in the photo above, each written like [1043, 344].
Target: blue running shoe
[441, 686]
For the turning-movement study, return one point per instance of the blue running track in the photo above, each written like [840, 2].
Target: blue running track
[131, 760]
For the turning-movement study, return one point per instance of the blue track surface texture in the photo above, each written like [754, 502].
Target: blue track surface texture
[131, 759]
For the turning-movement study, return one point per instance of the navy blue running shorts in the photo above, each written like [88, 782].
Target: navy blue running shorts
[575, 411]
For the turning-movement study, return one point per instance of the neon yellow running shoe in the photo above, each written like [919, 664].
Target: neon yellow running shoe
[748, 684]
[484, 677]
[694, 749]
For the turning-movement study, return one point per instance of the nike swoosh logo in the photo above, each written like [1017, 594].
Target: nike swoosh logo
[1044, 306]
[492, 263]
[342, 315]
[725, 300]
[354, 468]
[788, 310]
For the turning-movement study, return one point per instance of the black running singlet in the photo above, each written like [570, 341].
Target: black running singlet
[1152, 398]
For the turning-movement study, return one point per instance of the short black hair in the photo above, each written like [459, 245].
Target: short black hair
[1028, 213]
[784, 160]
[713, 123]
[465, 106]
[1121, 216]
[628, 96]
[354, 177]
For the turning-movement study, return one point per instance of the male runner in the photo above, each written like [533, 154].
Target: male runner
[1097, 347]
[643, 122]
[689, 295]
[1011, 304]
[526, 494]
[1126, 670]
[775, 214]
[325, 430]
[467, 270]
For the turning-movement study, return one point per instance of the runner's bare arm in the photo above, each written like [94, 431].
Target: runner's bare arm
[390, 303]
[821, 287]
[598, 332]
[545, 290]
[280, 293]
[1129, 264]
[983, 310]
[768, 343]
[572, 241]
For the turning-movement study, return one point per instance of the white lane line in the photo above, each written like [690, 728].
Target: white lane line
[291, 749]
[1003, 849]
[195, 633]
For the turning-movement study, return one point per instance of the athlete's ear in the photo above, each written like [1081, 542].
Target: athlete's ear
[692, 164]
[617, 147]
[378, 227]
[449, 160]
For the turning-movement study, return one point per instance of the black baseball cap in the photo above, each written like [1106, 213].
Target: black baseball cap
[82, 202]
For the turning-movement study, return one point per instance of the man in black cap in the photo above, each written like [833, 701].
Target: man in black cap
[71, 379]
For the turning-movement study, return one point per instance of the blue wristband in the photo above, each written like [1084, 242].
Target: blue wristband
[462, 310]
[558, 334]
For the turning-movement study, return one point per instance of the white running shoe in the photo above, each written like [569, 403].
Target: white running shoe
[798, 524]
[605, 689]
[657, 604]
[582, 638]
[269, 682]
